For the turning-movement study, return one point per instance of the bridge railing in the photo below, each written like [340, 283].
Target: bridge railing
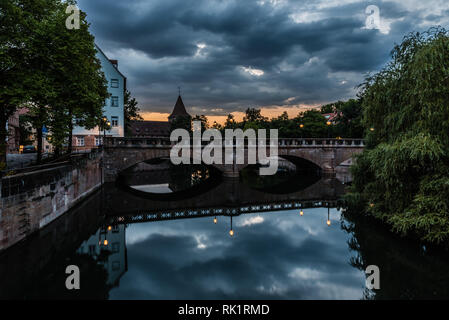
[282, 142]
[316, 142]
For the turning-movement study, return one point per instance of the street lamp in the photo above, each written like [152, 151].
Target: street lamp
[328, 217]
[106, 126]
[328, 128]
[231, 232]
[301, 126]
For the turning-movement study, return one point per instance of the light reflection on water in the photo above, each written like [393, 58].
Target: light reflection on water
[273, 255]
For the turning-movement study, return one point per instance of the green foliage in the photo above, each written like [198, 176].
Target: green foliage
[230, 122]
[403, 175]
[204, 121]
[131, 111]
[53, 69]
[314, 125]
[19, 24]
[349, 119]
[254, 115]
[181, 122]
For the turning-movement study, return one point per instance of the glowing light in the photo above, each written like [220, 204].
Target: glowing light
[105, 242]
[328, 123]
[301, 125]
[215, 220]
[328, 222]
[371, 129]
[371, 205]
[301, 213]
[109, 228]
[231, 233]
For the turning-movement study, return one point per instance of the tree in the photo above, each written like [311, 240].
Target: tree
[181, 122]
[204, 121]
[314, 124]
[217, 126]
[288, 128]
[406, 115]
[331, 107]
[230, 122]
[52, 68]
[254, 115]
[349, 119]
[81, 87]
[20, 21]
[131, 112]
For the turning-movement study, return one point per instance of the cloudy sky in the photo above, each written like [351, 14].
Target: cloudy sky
[271, 256]
[230, 55]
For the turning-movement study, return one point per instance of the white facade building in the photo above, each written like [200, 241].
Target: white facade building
[113, 109]
[113, 240]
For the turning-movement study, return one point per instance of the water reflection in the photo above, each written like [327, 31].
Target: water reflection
[271, 256]
[284, 246]
[107, 247]
[161, 178]
[293, 175]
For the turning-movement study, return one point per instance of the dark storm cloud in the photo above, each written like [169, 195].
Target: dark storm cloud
[318, 58]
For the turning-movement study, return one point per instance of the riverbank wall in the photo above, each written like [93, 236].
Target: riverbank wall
[32, 198]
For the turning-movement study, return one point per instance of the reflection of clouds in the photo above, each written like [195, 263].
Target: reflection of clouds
[276, 259]
[250, 221]
[305, 274]
[200, 239]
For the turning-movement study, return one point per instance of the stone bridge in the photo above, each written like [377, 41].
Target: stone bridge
[327, 154]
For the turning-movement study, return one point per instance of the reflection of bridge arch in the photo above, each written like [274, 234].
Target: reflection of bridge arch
[229, 195]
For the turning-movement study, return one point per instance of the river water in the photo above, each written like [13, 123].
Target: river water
[166, 234]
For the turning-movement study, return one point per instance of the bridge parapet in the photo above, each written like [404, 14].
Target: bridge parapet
[164, 142]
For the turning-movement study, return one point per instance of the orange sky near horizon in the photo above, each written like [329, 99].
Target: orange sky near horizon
[267, 112]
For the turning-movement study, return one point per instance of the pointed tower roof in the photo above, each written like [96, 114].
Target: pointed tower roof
[179, 109]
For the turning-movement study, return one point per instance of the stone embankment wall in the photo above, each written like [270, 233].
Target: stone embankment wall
[32, 199]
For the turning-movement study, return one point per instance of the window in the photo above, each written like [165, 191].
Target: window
[114, 121]
[80, 141]
[114, 83]
[98, 141]
[115, 247]
[114, 101]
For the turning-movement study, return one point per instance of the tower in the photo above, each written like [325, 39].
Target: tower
[179, 112]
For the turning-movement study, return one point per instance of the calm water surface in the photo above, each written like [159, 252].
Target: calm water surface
[130, 244]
